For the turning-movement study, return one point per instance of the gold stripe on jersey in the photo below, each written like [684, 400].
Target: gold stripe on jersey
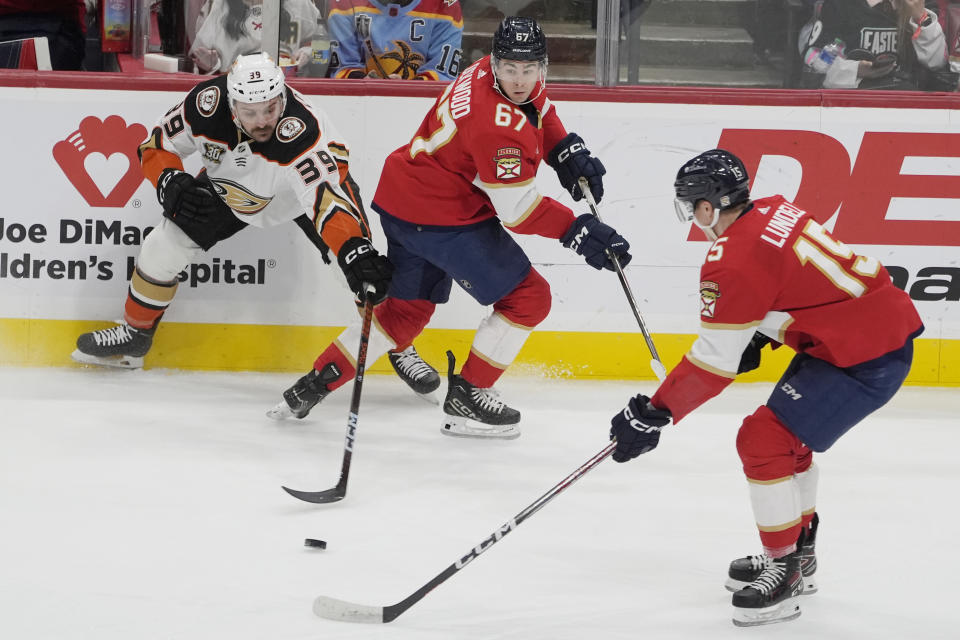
[352, 11]
[437, 16]
[155, 141]
[725, 326]
[339, 150]
[492, 363]
[526, 213]
[711, 369]
[774, 481]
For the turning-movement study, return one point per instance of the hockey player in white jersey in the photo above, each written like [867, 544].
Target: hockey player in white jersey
[268, 157]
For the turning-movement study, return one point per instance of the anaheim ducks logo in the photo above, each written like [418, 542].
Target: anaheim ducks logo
[207, 101]
[289, 128]
[239, 198]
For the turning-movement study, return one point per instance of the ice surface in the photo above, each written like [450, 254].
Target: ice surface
[140, 505]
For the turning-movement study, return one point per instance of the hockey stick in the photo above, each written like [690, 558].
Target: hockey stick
[376, 60]
[656, 364]
[335, 609]
[340, 491]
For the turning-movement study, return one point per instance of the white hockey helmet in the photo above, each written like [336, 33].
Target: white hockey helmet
[255, 78]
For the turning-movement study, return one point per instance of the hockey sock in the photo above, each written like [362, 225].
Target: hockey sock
[768, 451]
[403, 320]
[335, 354]
[502, 334]
[807, 485]
[343, 350]
[147, 300]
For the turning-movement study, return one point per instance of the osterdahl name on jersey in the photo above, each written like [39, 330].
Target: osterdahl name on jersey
[781, 224]
[460, 99]
[26, 265]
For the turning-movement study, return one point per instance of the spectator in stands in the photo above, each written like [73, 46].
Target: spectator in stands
[60, 21]
[887, 44]
[403, 39]
[228, 28]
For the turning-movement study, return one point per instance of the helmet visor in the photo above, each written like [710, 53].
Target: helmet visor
[684, 209]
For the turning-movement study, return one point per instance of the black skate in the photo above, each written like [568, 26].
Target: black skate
[119, 346]
[774, 596]
[418, 375]
[743, 571]
[304, 395]
[473, 412]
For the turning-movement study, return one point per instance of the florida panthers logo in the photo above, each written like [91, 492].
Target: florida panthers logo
[709, 292]
[239, 198]
[508, 163]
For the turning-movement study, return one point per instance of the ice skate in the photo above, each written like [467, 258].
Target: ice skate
[745, 570]
[119, 346]
[306, 393]
[473, 412]
[774, 596]
[419, 376]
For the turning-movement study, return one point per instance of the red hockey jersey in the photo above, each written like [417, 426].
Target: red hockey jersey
[476, 156]
[777, 271]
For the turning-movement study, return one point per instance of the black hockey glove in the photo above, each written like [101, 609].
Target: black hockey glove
[637, 428]
[362, 264]
[181, 194]
[750, 359]
[572, 160]
[592, 239]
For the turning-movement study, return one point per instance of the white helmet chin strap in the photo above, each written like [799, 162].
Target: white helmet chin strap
[708, 228]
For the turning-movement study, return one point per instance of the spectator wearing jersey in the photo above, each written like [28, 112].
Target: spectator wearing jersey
[228, 28]
[60, 21]
[883, 43]
[402, 40]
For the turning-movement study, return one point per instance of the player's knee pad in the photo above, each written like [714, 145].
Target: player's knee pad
[403, 320]
[768, 450]
[529, 302]
[166, 251]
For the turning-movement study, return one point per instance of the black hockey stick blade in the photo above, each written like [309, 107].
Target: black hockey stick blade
[318, 497]
[339, 492]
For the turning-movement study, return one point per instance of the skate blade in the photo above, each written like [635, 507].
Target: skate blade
[809, 585]
[789, 609]
[460, 427]
[280, 412]
[118, 362]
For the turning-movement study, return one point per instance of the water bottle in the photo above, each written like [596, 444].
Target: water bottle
[821, 60]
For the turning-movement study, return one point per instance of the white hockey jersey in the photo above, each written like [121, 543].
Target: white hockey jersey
[302, 169]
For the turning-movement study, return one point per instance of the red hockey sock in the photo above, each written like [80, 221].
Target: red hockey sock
[334, 353]
[403, 320]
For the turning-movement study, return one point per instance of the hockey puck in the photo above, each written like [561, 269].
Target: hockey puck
[313, 542]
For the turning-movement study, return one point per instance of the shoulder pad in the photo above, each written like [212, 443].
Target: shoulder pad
[297, 131]
[207, 111]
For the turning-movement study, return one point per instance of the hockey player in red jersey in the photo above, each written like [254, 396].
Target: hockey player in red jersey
[269, 157]
[444, 200]
[773, 274]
